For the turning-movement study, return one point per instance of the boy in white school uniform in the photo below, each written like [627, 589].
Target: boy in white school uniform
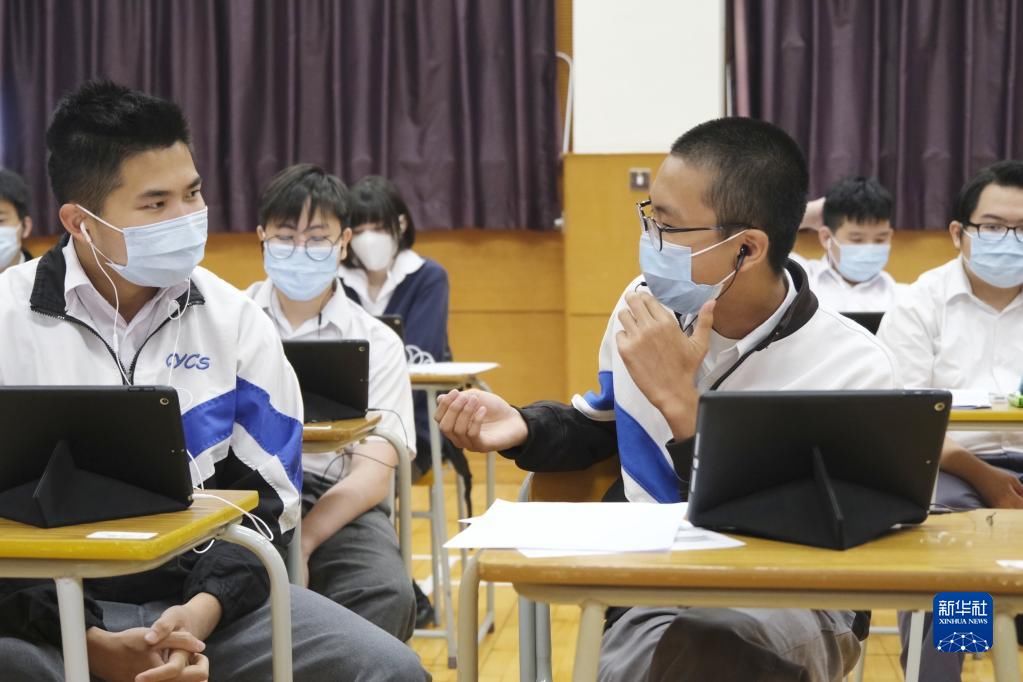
[960, 325]
[121, 301]
[349, 546]
[15, 221]
[713, 247]
[857, 238]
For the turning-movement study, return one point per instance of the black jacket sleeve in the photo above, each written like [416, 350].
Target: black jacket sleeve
[681, 453]
[28, 610]
[561, 438]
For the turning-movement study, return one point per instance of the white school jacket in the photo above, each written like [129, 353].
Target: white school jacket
[240, 402]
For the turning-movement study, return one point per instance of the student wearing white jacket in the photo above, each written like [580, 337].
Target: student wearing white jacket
[719, 305]
[349, 546]
[121, 301]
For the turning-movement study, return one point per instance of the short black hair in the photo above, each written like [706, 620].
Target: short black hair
[14, 190]
[857, 199]
[96, 128]
[376, 199]
[1004, 174]
[760, 178]
[292, 188]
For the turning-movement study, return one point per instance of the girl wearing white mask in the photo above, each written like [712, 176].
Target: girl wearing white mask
[386, 277]
[15, 223]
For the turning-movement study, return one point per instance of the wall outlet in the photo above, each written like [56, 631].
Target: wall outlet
[639, 179]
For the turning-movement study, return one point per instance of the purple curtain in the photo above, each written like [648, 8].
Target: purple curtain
[455, 100]
[920, 93]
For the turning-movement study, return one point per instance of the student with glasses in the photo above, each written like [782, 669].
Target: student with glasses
[960, 326]
[349, 547]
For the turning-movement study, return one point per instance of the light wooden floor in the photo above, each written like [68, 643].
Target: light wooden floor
[499, 660]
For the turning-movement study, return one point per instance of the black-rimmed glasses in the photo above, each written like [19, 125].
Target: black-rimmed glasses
[316, 248]
[993, 232]
[655, 230]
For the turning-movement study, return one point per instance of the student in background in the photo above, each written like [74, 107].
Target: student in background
[15, 222]
[386, 277]
[713, 248]
[960, 326]
[121, 301]
[857, 237]
[349, 546]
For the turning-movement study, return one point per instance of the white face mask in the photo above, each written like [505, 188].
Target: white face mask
[10, 244]
[375, 250]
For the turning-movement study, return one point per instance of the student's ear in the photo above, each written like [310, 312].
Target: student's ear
[73, 219]
[402, 223]
[824, 236]
[346, 238]
[753, 250]
[955, 229]
[26, 227]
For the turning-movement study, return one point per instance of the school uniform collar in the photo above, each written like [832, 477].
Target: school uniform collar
[405, 263]
[337, 312]
[784, 322]
[52, 283]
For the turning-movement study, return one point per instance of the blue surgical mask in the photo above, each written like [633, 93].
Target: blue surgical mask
[160, 254]
[669, 275]
[1000, 263]
[298, 276]
[860, 262]
[9, 244]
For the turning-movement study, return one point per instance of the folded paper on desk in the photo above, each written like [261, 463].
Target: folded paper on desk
[574, 526]
[971, 399]
[452, 369]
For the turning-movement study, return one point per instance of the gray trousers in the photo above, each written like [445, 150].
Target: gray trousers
[330, 643]
[954, 493]
[729, 645]
[360, 567]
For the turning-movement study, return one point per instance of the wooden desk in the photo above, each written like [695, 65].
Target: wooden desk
[435, 378]
[69, 554]
[997, 418]
[950, 552]
[339, 433]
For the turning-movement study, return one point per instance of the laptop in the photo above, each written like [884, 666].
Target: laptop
[333, 376]
[870, 321]
[829, 469]
[81, 454]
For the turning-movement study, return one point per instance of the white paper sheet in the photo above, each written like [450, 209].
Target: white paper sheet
[574, 526]
[451, 369]
[971, 398]
[687, 539]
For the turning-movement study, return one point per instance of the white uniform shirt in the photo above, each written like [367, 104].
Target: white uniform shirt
[389, 385]
[833, 291]
[407, 262]
[85, 303]
[943, 336]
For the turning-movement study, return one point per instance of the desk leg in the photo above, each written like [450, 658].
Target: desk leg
[587, 649]
[438, 520]
[280, 595]
[468, 622]
[916, 643]
[71, 603]
[1006, 660]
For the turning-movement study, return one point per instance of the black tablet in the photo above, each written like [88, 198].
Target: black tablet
[830, 469]
[79, 454]
[395, 323]
[333, 376]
